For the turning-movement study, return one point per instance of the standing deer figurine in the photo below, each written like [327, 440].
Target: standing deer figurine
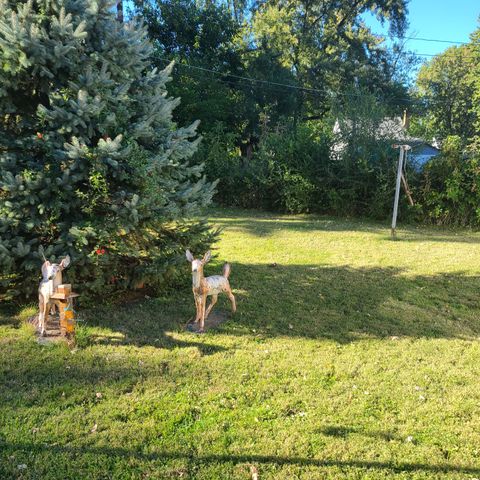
[204, 287]
[51, 279]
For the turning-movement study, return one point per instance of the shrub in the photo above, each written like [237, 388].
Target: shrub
[280, 175]
[451, 187]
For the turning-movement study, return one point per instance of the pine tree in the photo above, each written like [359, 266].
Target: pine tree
[91, 162]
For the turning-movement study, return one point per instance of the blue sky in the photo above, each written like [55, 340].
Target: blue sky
[440, 19]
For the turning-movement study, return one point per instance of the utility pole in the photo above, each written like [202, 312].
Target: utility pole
[401, 158]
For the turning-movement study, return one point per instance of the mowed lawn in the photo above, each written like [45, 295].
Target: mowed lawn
[350, 356]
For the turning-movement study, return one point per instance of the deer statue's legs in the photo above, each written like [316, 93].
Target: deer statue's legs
[232, 300]
[202, 311]
[42, 315]
[212, 303]
[197, 307]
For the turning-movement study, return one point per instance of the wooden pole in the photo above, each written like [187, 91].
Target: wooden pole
[397, 190]
[407, 190]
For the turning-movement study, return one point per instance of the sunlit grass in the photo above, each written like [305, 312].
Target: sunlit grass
[351, 356]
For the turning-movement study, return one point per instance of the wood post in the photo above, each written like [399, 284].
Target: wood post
[397, 190]
[407, 190]
[63, 298]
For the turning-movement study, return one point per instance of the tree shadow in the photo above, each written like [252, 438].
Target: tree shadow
[446, 236]
[337, 303]
[9, 315]
[43, 375]
[269, 224]
[341, 431]
[265, 227]
[347, 304]
[140, 323]
[75, 454]
[49, 376]
[147, 323]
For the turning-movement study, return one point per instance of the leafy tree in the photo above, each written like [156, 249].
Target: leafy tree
[91, 161]
[327, 45]
[475, 80]
[324, 46]
[201, 39]
[446, 87]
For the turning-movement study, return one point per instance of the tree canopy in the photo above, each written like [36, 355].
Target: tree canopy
[446, 86]
[298, 54]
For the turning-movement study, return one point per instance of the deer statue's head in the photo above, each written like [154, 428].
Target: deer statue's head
[197, 265]
[50, 270]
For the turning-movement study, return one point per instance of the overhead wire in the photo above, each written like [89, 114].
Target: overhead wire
[435, 40]
[275, 85]
[227, 78]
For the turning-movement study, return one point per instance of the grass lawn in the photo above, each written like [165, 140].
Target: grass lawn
[354, 357]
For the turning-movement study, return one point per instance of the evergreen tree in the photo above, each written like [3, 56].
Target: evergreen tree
[91, 162]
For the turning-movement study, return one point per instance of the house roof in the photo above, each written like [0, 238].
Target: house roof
[390, 128]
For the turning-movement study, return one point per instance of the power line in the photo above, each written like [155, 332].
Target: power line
[234, 83]
[445, 53]
[275, 85]
[285, 86]
[435, 40]
[442, 53]
[250, 79]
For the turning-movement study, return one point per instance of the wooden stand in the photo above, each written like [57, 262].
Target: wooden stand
[63, 298]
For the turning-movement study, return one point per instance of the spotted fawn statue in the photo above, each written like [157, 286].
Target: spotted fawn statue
[209, 286]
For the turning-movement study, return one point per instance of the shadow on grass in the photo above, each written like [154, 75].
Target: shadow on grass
[9, 315]
[346, 304]
[343, 304]
[267, 226]
[341, 431]
[77, 453]
[148, 323]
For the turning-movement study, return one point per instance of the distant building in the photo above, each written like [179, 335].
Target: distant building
[422, 152]
[390, 129]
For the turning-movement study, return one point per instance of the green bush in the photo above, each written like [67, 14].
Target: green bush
[297, 193]
[295, 172]
[451, 187]
[281, 175]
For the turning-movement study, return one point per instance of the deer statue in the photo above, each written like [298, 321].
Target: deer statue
[51, 279]
[209, 286]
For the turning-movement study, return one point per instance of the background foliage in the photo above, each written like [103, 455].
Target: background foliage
[269, 79]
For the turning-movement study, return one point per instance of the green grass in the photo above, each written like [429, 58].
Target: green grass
[354, 357]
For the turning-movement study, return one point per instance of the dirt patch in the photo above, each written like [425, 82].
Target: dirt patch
[215, 318]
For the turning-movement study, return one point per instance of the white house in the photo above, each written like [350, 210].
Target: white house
[391, 129]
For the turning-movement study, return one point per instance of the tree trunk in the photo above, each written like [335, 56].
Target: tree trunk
[120, 11]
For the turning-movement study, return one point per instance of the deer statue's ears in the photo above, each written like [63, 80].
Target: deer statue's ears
[65, 262]
[207, 257]
[189, 256]
[45, 266]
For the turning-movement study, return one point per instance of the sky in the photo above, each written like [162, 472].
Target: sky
[437, 19]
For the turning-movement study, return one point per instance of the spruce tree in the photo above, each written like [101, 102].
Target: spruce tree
[91, 162]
